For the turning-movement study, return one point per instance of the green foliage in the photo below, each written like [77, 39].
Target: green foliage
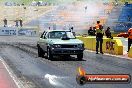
[29, 1]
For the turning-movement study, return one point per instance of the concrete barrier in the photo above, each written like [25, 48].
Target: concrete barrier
[112, 46]
[130, 53]
[80, 37]
[27, 31]
[114, 35]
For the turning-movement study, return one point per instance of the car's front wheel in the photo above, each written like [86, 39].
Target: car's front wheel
[80, 56]
[49, 54]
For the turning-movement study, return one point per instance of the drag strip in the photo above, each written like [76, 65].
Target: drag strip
[44, 73]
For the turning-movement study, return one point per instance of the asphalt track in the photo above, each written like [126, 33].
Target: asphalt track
[62, 72]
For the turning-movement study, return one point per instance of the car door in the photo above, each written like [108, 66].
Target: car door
[41, 40]
[45, 42]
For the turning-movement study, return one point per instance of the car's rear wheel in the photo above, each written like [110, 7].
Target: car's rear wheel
[80, 56]
[49, 54]
[40, 52]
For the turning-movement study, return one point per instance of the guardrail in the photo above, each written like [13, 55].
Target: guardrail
[111, 46]
[130, 53]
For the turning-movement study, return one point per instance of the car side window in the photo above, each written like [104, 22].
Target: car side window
[48, 35]
[45, 35]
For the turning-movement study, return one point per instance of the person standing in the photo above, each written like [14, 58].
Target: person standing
[49, 28]
[90, 31]
[108, 33]
[21, 22]
[129, 38]
[99, 38]
[5, 22]
[97, 25]
[16, 21]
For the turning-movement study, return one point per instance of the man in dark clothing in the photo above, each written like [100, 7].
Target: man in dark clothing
[16, 23]
[99, 38]
[49, 28]
[108, 33]
[90, 31]
[21, 22]
[5, 22]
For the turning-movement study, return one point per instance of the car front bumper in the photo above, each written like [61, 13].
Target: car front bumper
[68, 51]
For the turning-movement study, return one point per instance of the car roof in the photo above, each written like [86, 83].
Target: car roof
[57, 30]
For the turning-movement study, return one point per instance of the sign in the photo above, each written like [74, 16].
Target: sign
[110, 45]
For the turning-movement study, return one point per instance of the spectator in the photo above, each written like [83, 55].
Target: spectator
[21, 22]
[97, 25]
[90, 31]
[49, 28]
[99, 38]
[16, 23]
[108, 33]
[5, 22]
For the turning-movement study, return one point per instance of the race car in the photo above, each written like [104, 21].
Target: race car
[59, 42]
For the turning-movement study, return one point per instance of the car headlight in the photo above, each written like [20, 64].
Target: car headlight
[57, 46]
[80, 45]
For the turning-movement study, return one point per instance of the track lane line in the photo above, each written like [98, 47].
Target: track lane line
[12, 75]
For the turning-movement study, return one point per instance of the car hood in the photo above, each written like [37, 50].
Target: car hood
[70, 41]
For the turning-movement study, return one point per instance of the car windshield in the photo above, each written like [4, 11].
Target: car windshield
[60, 34]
